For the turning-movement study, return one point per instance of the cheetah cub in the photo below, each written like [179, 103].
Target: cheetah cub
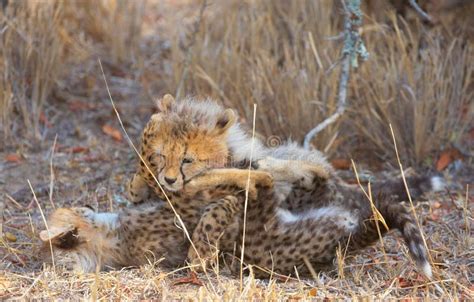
[189, 150]
[189, 137]
[89, 241]
[307, 199]
[184, 150]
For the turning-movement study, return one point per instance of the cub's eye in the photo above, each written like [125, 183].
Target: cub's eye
[187, 160]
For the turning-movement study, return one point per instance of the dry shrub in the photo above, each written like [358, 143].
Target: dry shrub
[113, 25]
[30, 51]
[42, 42]
[263, 52]
[419, 82]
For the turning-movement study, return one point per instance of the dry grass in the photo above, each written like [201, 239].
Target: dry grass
[43, 41]
[281, 55]
[30, 52]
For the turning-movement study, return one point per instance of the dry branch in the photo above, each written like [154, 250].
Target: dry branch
[420, 11]
[353, 47]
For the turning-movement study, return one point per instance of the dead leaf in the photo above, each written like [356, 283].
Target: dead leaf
[313, 292]
[190, 279]
[90, 159]
[112, 132]
[434, 216]
[13, 158]
[341, 164]
[402, 282]
[447, 157]
[19, 260]
[77, 105]
[79, 149]
[10, 237]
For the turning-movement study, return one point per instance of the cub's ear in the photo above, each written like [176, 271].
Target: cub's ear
[55, 232]
[164, 105]
[225, 121]
[62, 237]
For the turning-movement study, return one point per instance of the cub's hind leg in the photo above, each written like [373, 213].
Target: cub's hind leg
[215, 220]
[298, 184]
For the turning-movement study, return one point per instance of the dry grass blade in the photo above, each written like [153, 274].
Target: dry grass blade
[377, 215]
[246, 199]
[44, 221]
[51, 173]
[412, 207]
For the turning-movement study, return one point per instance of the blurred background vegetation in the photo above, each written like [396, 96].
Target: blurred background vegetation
[281, 55]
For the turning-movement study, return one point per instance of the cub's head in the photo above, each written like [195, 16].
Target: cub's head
[185, 139]
[72, 227]
[64, 226]
[80, 237]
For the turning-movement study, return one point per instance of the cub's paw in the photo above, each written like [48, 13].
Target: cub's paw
[319, 171]
[197, 264]
[259, 180]
[262, 179]
[138, 190]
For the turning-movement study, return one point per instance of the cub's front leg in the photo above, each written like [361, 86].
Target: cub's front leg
[240, 179]
[215, 220]
[138, 190]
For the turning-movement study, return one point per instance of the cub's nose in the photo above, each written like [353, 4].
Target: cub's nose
[170, 180]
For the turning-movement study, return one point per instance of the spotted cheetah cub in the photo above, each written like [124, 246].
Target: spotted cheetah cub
[276, 240]
[189, 150]
[308, 198]
[189, 139]
[309, 225]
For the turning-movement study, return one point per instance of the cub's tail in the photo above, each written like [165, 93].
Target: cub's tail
[398, 217]
[417, 185]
